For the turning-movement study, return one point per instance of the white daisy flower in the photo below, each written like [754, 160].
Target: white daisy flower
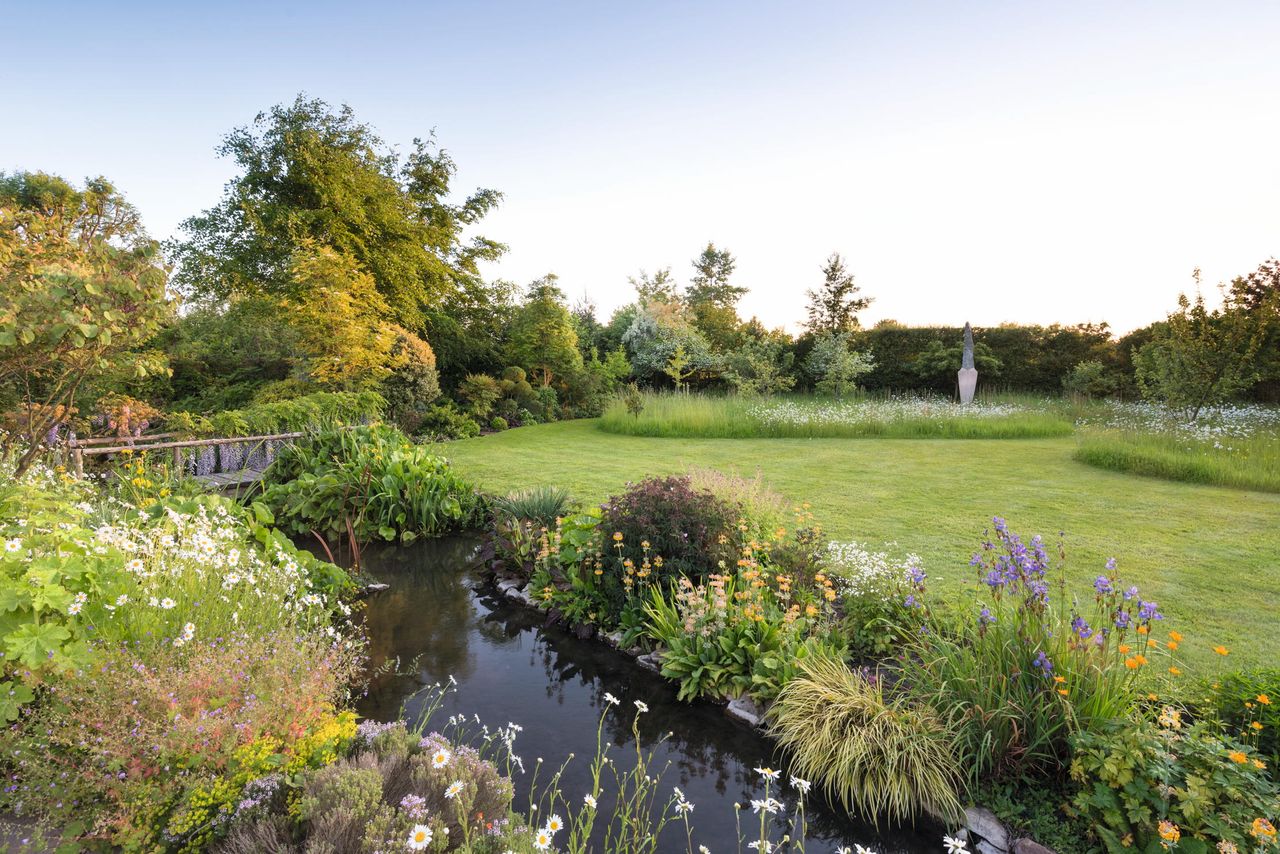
[419, 837]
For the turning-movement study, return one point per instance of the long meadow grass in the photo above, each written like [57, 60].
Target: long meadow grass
[1233, 446]
[703, 417]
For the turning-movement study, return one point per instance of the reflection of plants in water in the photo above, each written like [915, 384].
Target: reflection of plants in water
[425, 615]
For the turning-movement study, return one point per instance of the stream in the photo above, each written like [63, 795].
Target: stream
[440, 617]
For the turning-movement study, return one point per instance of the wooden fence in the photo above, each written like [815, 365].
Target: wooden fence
[81, 448]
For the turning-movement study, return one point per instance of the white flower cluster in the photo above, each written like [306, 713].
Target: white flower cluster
[1219, 425]
[869, 411]
[859, 572]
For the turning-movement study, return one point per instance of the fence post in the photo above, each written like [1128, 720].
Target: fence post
[77, 458]
[177, 462]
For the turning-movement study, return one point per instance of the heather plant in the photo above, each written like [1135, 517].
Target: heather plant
[1174, 785]
[1022, 676]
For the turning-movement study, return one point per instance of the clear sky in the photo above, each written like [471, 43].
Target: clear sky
[1022, 161]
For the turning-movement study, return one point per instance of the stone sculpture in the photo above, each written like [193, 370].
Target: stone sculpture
[968, 374]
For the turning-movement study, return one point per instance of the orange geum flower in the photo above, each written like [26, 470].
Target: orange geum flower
[1142, 630]
[1173, 671]
[1256, 725]
[1264, 699]
[1221, 650]
[1123, 649]
[1237, 757]
[1173, 644]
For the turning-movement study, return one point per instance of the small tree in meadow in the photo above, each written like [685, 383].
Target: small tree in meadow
[836, 366]
[1200, 357]
[760, 368]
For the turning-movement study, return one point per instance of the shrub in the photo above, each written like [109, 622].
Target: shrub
[732, 636]
[761, 509]
[154, 752]
[445, 421]
[1024, 676]
[1090, 378]
[690, 531]
[498, 424]
[542, 505]
[1145, 787]
[414, 381]
[878, 756]
[481, 391]
[870, 584]
[309, 412]
[368, 482]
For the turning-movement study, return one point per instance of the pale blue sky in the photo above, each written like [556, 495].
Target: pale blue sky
[999, 161]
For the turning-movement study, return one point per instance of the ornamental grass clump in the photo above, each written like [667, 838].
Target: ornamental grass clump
[880, 756]
[1023, 675]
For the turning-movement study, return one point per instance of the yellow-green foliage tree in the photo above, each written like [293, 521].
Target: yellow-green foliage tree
[81, 287]
[339, 315]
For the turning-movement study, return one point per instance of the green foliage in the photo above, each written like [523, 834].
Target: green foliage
[1090, 378]
[879, 756]
[312, 411]
[542, 505]
[834, 305]
[1019, 675]
[308, 172]
[761, 367]
[657, 332]
[1199, 358]
[82, 287]
[445, 421]
[1246, 703]
[1142, 785]
[542, 337]
[373, 479]
[835, 366]
[482, 391]
[413, 383]
[939, 362]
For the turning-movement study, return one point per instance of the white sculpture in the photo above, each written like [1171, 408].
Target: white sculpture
[968, 374]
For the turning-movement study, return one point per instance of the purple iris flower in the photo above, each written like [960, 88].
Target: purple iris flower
[1131, 593]
[1103, 585]
[1042, 661]
[985, 618]
[916, 574]
[1122, 620]
[1081, 628]
[1147, 611]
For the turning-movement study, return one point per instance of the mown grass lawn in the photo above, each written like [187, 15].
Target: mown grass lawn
[1209, 556]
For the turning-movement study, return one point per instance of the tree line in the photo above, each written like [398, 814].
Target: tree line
[334, 262]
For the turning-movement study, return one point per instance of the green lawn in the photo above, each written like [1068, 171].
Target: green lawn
[1209, 556]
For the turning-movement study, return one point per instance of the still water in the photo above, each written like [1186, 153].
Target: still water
[510, 667]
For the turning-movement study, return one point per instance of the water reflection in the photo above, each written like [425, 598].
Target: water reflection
[510, 667]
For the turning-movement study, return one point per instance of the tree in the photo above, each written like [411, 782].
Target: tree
[710, 282]
[660, 287]
[338, 312]
[835, 365]
[678, 367]
[655, 333]
[413, 382]
[81, 286]
[1090, 379]
[543, 340]
[761, 367]
[308, 172]
[834, 306]
[1199, 357]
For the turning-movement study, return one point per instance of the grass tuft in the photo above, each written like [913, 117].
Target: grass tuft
[880, 758]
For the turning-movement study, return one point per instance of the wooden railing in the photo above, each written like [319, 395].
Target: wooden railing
[81, 448]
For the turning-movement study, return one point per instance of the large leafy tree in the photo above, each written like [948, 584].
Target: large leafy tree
[308, 172]
[81, 287]
[834, 305]
[543, 340]
[713, 300]
[661, 331]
